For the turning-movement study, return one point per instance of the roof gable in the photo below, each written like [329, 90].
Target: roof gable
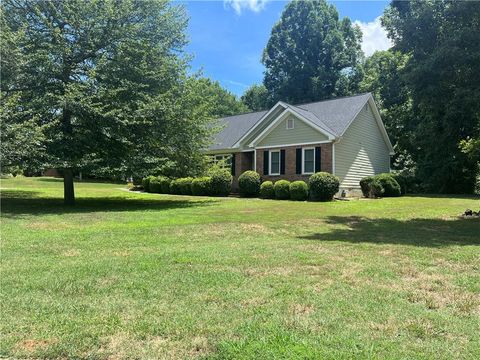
[330, 117]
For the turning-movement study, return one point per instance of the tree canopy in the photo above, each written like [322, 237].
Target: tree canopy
[311, 54]
[441, 39]
[101, 84]
[256, 98]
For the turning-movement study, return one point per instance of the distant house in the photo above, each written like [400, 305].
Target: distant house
[343, 136]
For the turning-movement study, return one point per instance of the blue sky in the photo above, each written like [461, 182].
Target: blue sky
[227, 37]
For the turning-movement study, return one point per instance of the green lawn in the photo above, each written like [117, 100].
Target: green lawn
[128, 275]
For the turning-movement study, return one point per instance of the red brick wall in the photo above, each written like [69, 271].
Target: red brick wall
[244, 162]
[290, 162]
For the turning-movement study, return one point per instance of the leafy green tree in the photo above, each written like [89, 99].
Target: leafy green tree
[311, 54]
[443, 75]
[256, 98]
[219, 101]
[105, 81]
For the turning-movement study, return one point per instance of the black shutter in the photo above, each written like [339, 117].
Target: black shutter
[298, 161]
[282, 162]
[233, 164]
[318, 160]
[265, 162]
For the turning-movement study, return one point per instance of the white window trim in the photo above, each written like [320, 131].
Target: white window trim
[270, 162]
[292, 119]
[303, 161]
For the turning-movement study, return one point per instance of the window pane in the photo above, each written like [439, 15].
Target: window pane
[275, 163]
[309, 163]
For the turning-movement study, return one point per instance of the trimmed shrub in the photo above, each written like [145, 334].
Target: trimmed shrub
[323, 186]
[201, 186]
[249, 183]
[185, 185]
[221, 181]
[365, 185]
[267, 191]
[154, 185]
[402, 181]
[175, 187]
[146, 183]
[282, 189]
[299, 190]
[164, 184]
[390, 186]
[376, 188]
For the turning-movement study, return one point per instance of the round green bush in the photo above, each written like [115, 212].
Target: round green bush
[376, 189]
[175, 187]
[390, 185]
[299, 190]
[249, 183]
[221, 181]
[201, 186]
[164, 184]
[146, 183]
[365, 185]
[323, 186]
[185, 185]
[154, 185]
[282, 189]
[402, 181]
[267, 191]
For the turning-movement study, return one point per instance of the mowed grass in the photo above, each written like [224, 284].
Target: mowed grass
[126, 275]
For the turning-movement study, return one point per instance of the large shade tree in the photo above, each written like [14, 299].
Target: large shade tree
[312, 54]
[104, 81]
[441, 39]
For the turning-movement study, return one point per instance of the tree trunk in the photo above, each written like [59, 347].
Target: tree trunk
[68, 190]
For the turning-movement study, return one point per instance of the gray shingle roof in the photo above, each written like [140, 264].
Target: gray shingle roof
[333, 115]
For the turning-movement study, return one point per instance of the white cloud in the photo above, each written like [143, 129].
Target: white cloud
[374, 36]
[240, 5]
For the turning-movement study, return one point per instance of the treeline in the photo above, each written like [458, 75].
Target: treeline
[427, 85]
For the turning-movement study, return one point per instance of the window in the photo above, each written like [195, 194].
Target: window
[274, 163]
[308, 161]
[224, 161]
[290, 123]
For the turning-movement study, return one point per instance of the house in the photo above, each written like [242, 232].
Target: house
[342, 136]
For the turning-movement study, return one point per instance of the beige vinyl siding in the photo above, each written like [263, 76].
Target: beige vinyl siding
[362, 151]
[262, 126]
[301, 133]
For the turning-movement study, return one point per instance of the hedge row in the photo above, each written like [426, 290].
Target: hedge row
[381, 185]
[321, 186]
[218, 183]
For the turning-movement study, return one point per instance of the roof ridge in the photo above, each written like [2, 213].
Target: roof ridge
[316, 117]
[298, 105]
[332, 99]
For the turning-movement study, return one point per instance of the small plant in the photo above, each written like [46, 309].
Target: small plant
[323, 186]
[249, 183]
[375, 188]
[299, 190]
[164, 184]
[267, 191]
[390, 185]
[221, 181]
[282, 189]
[365, 185]
[146, 183]
[175, 187]
[201, 186]
[155, 186]
[185, 185]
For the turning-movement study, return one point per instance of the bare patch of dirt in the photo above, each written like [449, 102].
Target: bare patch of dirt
[301, 309]
[71, 253]
[32, 345]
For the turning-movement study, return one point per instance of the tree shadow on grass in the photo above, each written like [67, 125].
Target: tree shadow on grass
[415, 232]
[18, 203]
